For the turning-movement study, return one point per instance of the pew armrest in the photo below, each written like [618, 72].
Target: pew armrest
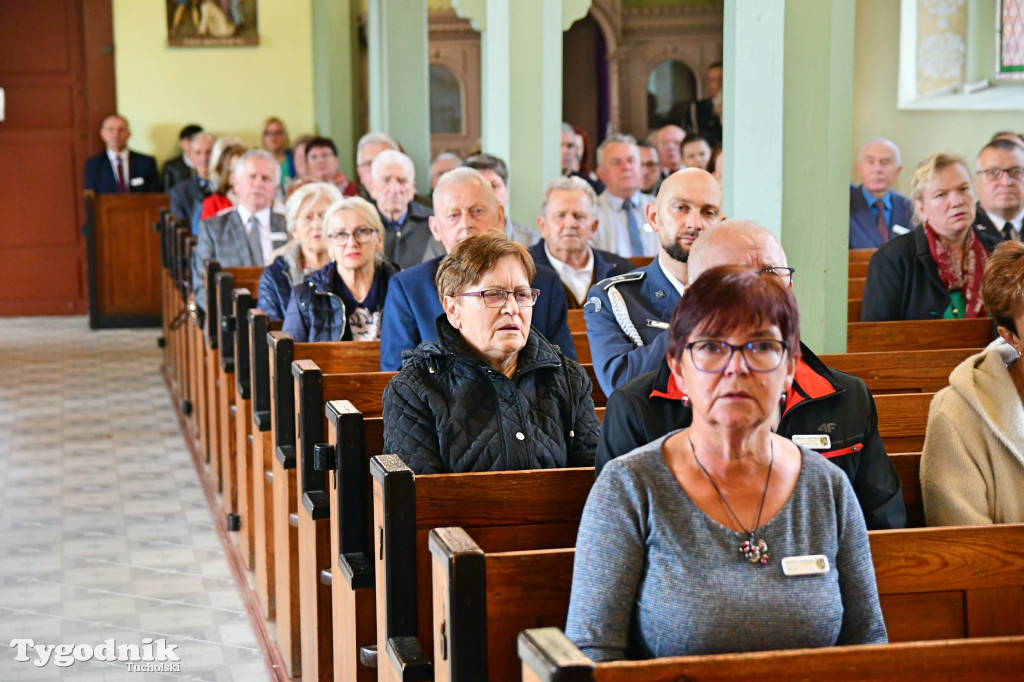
[358, 570]
[261, 418]
[549, 654]
[316, 505]
[286, 456]
[408, 659]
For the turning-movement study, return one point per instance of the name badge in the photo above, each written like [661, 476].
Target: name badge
[136, 182]
[813, 441]
[278, 236]
[899, 229]
[811, 564]
[657, 324]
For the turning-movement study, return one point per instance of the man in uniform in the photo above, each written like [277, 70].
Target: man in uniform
[825, 410]
[626, 315]
[1000, 187]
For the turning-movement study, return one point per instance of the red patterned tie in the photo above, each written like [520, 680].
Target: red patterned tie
[120, 176]
[883, 229]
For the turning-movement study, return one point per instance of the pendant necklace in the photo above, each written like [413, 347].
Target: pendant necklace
[756, 552]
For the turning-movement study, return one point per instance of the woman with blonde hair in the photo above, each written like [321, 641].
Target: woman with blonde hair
[935, 271]
[343, 300]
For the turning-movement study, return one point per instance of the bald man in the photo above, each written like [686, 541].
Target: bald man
[626, 315]
[465, 205]
[877, 211]
[825, 410]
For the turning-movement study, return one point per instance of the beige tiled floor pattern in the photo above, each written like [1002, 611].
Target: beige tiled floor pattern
[104, 529]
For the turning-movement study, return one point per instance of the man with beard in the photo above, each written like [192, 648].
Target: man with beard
[627, 315]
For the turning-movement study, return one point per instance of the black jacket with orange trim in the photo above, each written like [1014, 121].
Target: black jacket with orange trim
[823, 404]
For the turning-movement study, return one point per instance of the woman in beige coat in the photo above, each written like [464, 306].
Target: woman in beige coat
[972, 466]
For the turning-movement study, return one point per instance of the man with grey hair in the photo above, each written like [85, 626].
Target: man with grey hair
[877, 211]
[247, 234]
[407, 239]
[442, 163]
[367, 148]
[466, 205]
[825, 410]
[622, 207]
[567, 222]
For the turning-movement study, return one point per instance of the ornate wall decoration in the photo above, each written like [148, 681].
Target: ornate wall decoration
[941, 44]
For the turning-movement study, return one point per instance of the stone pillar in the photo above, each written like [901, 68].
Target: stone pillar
[521, 67]
[398, 78]
[788, 103]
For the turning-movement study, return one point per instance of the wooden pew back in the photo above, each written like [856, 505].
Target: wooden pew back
[933, 583]
[863, 337]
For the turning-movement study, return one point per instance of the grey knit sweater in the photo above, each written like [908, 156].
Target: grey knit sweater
[655, 576]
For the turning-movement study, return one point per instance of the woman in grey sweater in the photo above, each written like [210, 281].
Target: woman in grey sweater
[724, 537]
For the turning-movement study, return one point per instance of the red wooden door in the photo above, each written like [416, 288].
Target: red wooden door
[42, 154]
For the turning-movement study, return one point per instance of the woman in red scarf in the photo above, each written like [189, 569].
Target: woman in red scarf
[935, 271]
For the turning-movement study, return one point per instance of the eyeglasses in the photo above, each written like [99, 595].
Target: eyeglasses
[361, 234]
[650, 164]
[786, 274]
[496, 298]
[993, 174]
[713, 355]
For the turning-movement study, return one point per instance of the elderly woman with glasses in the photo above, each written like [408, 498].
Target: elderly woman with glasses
[492, 393]
[304, 254]
[343, 300]
[935, 271]
[724, 536]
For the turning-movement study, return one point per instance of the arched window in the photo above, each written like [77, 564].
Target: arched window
[445, 101]
[671, 86]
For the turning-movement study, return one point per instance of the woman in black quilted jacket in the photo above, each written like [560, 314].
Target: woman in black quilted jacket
[491, 394]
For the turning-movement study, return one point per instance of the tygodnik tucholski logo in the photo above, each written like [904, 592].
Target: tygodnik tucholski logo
[151, 656]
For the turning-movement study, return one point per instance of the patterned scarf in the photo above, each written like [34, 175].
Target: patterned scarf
[960, 272]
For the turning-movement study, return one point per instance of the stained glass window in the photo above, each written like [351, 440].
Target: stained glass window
[1011, 39]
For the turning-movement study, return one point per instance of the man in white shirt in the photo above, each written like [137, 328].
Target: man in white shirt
[118, 170]
[567, 222]
[247, 234]
[621, 207]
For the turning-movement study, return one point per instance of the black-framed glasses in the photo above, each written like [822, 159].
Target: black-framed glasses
[361, 234]
[786, 274]
[993, 174]
[496, 298]
[714, 355]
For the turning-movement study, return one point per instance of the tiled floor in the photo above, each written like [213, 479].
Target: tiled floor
[104, 529]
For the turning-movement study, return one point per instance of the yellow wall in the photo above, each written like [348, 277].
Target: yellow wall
[228, 90]
[918, 133]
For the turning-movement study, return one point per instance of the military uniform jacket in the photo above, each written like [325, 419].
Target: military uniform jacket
[625, 347]
[822, 402]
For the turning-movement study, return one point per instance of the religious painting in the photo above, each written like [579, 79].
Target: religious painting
[211, 23]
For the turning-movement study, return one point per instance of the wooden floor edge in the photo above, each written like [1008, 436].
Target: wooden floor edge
[271, 654]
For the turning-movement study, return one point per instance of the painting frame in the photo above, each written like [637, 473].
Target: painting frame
[212, 23]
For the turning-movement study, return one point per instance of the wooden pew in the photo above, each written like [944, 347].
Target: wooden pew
[860, 255]
[314, 389]
[900, 371]
[576, 323]
[640, 261]
[933, 583]
[853, 307]
[855, 287]
[242, 303]
[908, 466]
[548, 656]
[863, 337]
[506, 510]
[902, 420]
[857, 269]
[284, 498]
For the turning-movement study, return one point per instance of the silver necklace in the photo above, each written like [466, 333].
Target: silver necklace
[756, 552]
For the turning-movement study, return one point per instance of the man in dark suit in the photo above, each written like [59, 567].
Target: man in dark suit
[407, 239]
[181, 167]
[466, 206]
[877, 212]
[119, 170]
[706, 114]
[187, 195]
[1000, 187]
[247, 234]
[567, 223]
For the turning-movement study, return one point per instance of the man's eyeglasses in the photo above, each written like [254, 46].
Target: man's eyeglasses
[361, 234]
[786, 274]
[496, 298]
[993, 174]
[714, 355]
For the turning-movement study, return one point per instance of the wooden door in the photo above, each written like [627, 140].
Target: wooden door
[43, 147]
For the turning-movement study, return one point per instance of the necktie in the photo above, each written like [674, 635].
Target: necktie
[255, 245]
[120, 175]
[636, 244]
[883, 229]
[1008, 231]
